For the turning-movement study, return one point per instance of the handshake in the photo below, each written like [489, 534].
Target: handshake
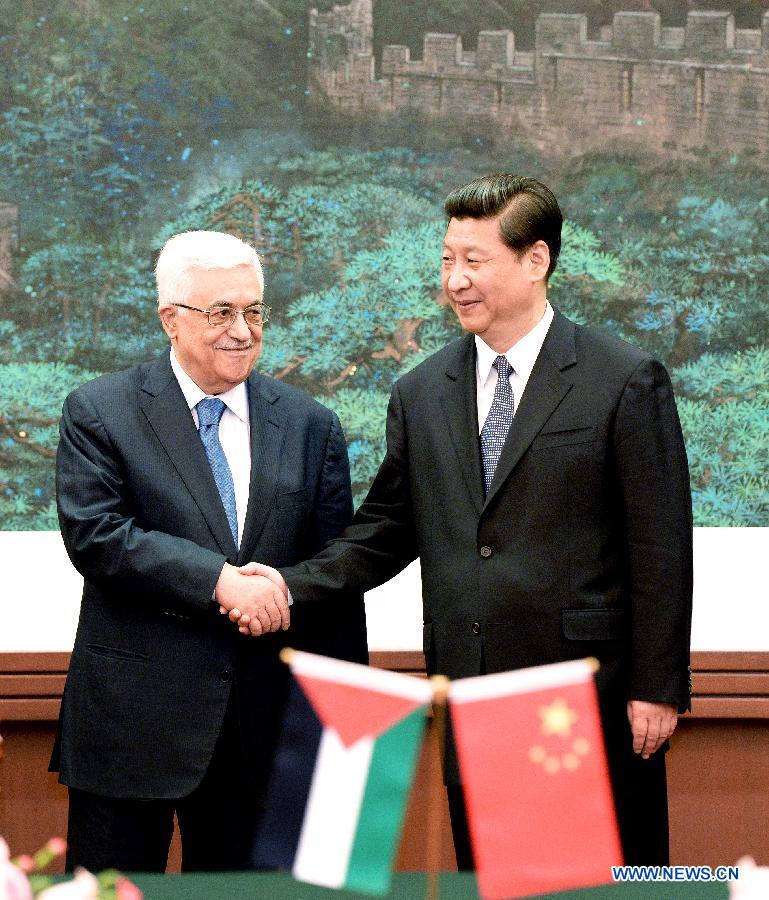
[254, 597]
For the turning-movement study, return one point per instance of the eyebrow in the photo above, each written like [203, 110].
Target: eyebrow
[473, 248]
[232, 303]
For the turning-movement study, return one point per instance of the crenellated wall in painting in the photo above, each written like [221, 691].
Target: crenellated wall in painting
[673, 90]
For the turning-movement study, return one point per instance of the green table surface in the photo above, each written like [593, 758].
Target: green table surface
[406, 886]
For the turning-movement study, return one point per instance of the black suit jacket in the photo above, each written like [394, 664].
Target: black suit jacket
[154, 662]
[583, 545]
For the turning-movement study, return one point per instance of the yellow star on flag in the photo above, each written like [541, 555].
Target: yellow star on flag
[557, 718]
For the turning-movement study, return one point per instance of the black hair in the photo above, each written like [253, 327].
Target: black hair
[527, 208]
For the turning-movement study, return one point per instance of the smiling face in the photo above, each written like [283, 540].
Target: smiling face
[216, 359]
[495, 292]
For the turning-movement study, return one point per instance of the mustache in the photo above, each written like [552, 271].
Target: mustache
[235, 345]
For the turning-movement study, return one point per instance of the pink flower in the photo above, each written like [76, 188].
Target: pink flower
[13, 882]
[83, 886]
[127, 890]
[25, 863]
[57, 846]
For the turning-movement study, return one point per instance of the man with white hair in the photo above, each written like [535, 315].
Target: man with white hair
[171, 477]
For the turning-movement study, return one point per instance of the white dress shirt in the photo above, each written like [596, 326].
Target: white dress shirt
[234, 433]
[521, 357]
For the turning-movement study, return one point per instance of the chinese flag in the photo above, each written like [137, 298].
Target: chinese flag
[536, 782]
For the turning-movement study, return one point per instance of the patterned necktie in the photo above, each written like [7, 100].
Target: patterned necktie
[498, 421]
[210, 411]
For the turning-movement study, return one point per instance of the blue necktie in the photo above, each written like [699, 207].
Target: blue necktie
[210, 411]
[498, 421]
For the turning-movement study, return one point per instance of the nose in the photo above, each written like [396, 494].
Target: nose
[239, 328]
[457, 278]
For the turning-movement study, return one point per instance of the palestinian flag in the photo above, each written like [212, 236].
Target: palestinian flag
[342, 772]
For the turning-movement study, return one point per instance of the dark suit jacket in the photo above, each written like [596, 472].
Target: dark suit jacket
[583, 545]
[153, 662]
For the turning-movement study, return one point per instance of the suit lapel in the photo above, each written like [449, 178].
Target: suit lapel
[169, 416]
[546, 388]
[268, 430]
[460, 406]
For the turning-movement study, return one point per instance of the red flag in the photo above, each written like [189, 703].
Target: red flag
[536, 782]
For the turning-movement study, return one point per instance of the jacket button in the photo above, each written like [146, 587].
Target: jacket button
[486, 551]
[476, 627]
[225, 676]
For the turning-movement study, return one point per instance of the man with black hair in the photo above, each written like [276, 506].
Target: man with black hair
[538, 469]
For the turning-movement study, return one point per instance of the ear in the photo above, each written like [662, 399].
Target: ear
[539, 260]
[168, 319]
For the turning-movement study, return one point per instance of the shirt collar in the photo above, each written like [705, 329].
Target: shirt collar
[236, 399]
[521, 356]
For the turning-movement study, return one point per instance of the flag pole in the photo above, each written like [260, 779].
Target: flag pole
[435, 796]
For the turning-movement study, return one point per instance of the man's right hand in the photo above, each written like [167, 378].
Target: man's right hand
[255, 568]
[252, 600]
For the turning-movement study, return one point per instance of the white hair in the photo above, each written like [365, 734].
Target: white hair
[203, 250]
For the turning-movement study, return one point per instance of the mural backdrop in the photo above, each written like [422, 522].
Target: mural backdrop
[328, 139]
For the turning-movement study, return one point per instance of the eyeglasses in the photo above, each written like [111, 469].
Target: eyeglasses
[221, 316]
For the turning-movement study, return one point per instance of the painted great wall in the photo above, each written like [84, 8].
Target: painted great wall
[669, 91]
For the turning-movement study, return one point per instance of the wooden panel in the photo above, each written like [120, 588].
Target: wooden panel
[409, 660]
[718, 789]
[31, 685]
[25, 685]
[730, 708]
[398, 660]
[29, 709]
[33, 805]
[731, 683]
[34, 662]
[730, 661]
[427, 814]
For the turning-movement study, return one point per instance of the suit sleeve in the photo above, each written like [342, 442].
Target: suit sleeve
[654, 477]
[100, 534]
[381, 539]
[342, 635]
[333, 508]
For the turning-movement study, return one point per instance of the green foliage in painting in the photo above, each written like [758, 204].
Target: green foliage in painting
[707, 291]
[585, 282]
[60, 130]
[386, 295]
[724, 408]
[307, 234]
[330, 167]
[329, 224]
[105, 105]
[581, 257]
[672, 261]
[362, 414]
[84, 305]
[31, 396]
[245, 209]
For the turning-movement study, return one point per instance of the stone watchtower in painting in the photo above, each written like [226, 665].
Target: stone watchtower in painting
[9, 220]
[639, 86]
